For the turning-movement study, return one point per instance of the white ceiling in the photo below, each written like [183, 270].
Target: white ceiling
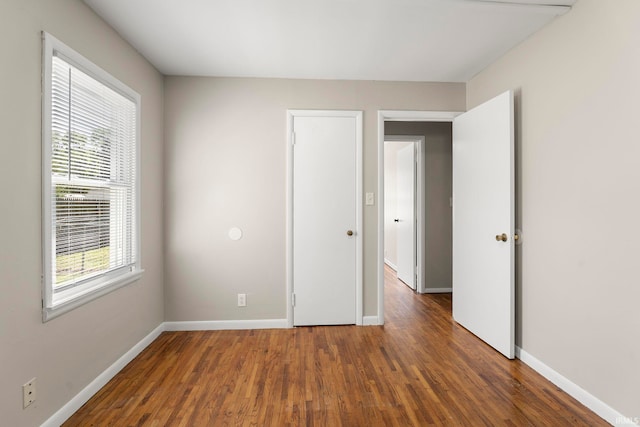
[409, 40]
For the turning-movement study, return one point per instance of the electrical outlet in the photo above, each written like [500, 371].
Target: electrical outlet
[242, 300]
[29, 393]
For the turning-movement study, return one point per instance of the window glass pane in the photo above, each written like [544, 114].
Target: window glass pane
[82, 232]
[93, 177]
[60, 118]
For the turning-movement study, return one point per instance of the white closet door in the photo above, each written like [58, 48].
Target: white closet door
[325, 230]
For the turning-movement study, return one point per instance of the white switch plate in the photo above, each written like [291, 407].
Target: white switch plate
[369, 201]
[242, 300]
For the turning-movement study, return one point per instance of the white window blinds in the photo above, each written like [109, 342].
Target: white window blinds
[92, 175]
[92, 148]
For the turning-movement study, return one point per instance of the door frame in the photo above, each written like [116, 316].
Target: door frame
[419, 200]
[359, 226]
[396, 116]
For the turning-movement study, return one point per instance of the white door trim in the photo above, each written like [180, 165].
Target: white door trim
[418, 140]
[396, 116]
[359, 229]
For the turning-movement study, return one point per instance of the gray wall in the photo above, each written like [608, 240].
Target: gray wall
[578, 87]
[437, 186]
[226, 166]
[68, 352]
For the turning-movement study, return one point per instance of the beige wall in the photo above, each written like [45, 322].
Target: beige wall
[578, 87]
[225, 167]
[68, 352]
[437, 187]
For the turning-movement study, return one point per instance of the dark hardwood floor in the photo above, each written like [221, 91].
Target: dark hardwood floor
[420, 369]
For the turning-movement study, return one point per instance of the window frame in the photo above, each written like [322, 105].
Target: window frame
[69, 299]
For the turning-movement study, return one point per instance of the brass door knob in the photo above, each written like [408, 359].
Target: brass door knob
[349, 233]
[501, 237]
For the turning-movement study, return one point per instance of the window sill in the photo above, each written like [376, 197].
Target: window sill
[69, 303]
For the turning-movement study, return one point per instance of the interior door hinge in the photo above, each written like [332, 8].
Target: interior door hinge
[293, 138]
[293, 300]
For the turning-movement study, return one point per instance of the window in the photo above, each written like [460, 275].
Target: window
[90, 181]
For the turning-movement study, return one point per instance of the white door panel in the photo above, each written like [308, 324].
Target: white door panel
[324, 211]
[483, 208]
[405, 214]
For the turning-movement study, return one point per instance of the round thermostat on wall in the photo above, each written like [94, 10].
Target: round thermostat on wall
[235, 233]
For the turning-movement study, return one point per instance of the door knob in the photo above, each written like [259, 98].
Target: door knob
[349, 233]
[396, 220]
[501, 237]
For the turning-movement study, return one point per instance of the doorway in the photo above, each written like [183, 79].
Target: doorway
[484, 234]
[435, 128]
[433, 233]
[404, 208]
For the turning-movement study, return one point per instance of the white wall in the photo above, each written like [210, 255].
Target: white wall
[578, 86]
[226, 166]
[68, 352]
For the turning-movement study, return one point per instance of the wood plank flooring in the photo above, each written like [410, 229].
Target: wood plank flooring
[420, 369]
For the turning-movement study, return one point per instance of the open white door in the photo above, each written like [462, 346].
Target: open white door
[483, 222]
[405, 214]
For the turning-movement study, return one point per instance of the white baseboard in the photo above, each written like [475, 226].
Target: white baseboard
[219, 325]
[101, 380]
[437, 290]
[370, 321]
[390, 264]
[581, 395]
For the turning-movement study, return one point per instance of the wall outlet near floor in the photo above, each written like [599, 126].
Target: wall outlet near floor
[29, 393]
[242, 300]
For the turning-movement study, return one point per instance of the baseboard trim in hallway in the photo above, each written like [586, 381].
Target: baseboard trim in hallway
[370, 321]
[437, 290]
